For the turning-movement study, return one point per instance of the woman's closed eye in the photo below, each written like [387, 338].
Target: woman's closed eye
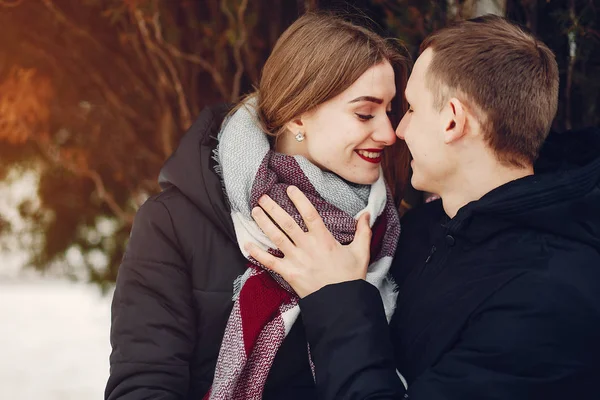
[364, 117]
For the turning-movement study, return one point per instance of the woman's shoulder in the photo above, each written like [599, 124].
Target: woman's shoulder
[181, 211]
[192, 188]
[170, 219]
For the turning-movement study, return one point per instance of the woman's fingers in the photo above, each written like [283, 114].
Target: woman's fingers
[279, 239]
[363, 230]
[362, 239]
[281, 218]
[308, 212]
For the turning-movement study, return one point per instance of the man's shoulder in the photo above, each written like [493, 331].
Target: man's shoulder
[564, 293]
[537, 327]
[576, 269]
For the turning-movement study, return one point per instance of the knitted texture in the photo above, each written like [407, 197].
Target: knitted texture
[265, 307]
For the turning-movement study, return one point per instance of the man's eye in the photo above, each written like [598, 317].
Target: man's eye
[364, 117]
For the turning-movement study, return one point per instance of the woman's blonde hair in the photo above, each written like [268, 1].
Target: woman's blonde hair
[318, 57]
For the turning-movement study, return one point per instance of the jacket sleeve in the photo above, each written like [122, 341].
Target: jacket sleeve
[536, 338]
[152, 332]
[350, 343]
[533, 339]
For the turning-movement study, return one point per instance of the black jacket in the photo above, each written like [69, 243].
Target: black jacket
[500, 302]
[174, 287]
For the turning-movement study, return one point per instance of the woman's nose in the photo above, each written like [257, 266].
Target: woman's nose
[385, 133]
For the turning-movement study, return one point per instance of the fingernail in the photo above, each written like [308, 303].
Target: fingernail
[255, 211]
[262, 199]
[248, 247]
[368, 217]
[292, 189]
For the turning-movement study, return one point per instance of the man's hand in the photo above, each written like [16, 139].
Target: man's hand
[312, 259]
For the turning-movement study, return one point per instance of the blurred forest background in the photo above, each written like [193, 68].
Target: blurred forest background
[95, 95]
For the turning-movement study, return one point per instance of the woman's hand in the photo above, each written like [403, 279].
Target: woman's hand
[312, 259]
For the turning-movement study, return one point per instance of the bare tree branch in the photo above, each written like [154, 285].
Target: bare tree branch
[163, 80]
[452, 7]
[572, 36]
[107, 197]
[72, 66]
[310, 5]
[184, 111]
[52, 153]
[98, 79]
[113, 97]
[214, 73]
[61, 17]
[165, 130]
[482, 7]
[14, 3]
[205, 65]
[237, 51]
[172, 71]
[236, 24]
[137, 45]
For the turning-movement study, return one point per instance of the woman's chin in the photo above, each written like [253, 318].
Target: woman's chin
[363, 178]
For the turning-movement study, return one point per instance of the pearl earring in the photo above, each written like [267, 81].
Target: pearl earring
[299, 136]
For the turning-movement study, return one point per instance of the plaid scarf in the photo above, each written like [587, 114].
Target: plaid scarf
[265, 307]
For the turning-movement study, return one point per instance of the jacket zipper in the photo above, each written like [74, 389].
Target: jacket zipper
[431, 252]
[429, 266]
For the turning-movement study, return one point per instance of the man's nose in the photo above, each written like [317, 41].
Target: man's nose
[401, 128]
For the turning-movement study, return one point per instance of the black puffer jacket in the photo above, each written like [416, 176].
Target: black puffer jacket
[174, 288]
[500, 302]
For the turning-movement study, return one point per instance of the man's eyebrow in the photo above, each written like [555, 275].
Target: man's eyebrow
[367, 98]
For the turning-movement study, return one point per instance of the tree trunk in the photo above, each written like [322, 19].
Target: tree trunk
[460, 10]
[482, 7]
[572, 36]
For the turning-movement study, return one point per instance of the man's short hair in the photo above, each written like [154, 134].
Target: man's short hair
[506, 76]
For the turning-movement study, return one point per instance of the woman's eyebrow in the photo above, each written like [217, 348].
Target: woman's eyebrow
[371, 99]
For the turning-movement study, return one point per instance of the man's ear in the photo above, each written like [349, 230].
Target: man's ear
[454, 120]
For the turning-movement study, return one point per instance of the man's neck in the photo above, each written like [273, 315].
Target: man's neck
[476, 183]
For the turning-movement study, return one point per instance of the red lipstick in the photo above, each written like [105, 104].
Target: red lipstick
[375, 160]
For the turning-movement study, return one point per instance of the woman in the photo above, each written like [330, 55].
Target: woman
[320, 120]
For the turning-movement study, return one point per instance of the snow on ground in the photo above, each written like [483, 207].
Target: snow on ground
[54, 340]
[54, 334]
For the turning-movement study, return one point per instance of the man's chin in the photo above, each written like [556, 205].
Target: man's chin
[418, 184]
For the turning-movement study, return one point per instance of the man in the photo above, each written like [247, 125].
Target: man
[499, 282]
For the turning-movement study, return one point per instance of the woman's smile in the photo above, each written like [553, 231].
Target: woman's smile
[370, 155]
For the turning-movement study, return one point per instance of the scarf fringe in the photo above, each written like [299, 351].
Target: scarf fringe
[218, 168]
[239, 282]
